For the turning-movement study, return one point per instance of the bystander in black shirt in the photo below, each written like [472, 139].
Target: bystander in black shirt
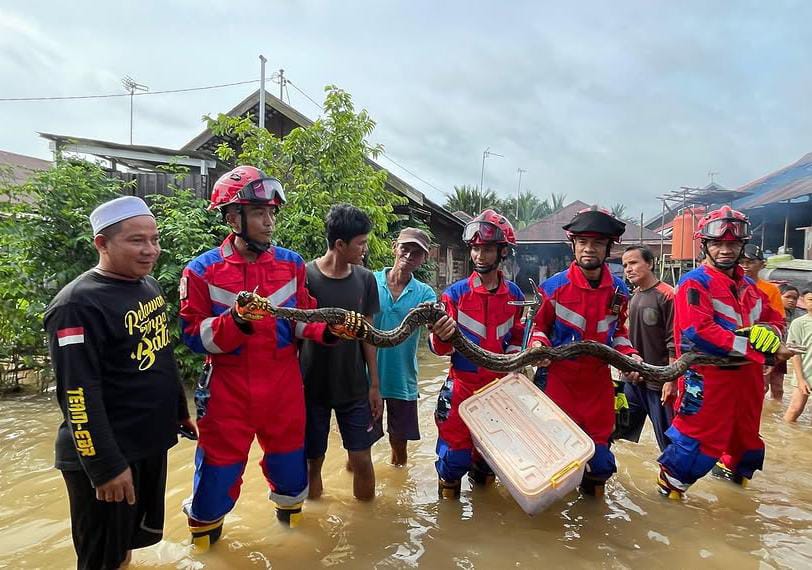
[117, 380]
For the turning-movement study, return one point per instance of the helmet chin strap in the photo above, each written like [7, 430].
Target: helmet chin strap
[493, 266]
[723, 266]
[253, 245]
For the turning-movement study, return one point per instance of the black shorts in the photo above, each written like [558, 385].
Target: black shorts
[401, 419]
[104, 532]
[358, 431]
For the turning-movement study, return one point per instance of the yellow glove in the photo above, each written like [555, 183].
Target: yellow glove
[764, 338]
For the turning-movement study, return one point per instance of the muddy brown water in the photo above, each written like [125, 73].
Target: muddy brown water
[768, 525]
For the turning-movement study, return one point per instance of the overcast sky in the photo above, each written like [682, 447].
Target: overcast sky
[608, 102]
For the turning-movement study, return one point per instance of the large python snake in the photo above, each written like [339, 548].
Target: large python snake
[430, 313]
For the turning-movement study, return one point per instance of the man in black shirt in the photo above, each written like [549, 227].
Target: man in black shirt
[343, 377]
[118, 389]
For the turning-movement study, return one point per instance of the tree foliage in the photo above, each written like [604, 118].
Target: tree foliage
[319, 165]
[47, 241]
[531, 207]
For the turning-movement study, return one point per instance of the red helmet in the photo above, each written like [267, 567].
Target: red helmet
[595, 222]
[489, 227]
[246, 185]
[723, 224]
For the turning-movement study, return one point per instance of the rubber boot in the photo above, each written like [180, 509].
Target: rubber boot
[478, 475]
[204, 535]
[666, 489]
[592, 487]
[721, 472]
[449, 489]
[290, 515]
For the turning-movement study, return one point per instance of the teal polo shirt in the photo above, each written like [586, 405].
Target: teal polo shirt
[397, 366]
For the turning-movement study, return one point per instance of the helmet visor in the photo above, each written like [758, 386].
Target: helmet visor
[716, 229]
[264, 190]
[487, 231]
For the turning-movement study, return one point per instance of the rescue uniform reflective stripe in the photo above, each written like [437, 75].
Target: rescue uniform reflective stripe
[504, 328]
[569, 315]
[739, 346]
[727, 311]
[471, 324]
[299, 330]
[511, 348]
[604, 324]
[207, 336]
[755, 313]
[620, 341]
[222, 296]
[283, 293]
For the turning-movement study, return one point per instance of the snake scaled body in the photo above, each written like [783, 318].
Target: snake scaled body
[430, 313]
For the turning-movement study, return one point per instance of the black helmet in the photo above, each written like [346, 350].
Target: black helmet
[595, 222]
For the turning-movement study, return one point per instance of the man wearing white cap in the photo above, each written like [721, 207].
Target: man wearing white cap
[118, 389]
[400, 292]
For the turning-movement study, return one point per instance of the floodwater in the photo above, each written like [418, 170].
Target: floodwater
[768, 525]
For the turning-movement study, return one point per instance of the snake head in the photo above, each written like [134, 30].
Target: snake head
[251, 307]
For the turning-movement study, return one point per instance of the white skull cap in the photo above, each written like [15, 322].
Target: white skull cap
[116, 211]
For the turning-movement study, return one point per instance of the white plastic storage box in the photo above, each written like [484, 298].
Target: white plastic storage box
[534, 448]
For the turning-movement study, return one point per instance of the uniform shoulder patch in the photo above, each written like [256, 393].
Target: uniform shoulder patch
[693, 296]
[183, 288]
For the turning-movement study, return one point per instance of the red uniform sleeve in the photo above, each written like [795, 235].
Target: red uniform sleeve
[516, 331]
[436, 345]
[620, 341]
[202, 331]
[694, 321]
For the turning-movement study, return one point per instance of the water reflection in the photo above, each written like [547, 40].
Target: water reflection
[720, 525]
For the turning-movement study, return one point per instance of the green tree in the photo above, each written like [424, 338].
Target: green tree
[320, 165]
[619, 211]
[531, 209]
[467, 199]
[557, 202]
[46, 241]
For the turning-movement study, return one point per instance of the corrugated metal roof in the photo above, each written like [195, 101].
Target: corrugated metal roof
[22, 166]
[549, 230]
[788, 183]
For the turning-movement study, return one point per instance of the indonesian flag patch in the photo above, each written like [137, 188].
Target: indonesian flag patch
[74, 335]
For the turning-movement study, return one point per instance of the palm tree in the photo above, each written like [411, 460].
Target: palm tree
[619, 211]
[467, 199]
[531, 209]
[557, 202]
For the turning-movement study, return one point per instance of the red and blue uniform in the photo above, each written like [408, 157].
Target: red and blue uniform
[572, 310]
[255, 381]
[486, 319]
[718, 410]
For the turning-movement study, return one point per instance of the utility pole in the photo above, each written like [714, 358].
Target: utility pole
[261, 117]
[519, 191]
[485, 154]
[130, 85]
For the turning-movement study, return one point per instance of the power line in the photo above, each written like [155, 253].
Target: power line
[296, 87]
[138, 94]
[387, 157]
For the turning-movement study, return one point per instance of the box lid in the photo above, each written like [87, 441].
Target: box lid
[529, 438]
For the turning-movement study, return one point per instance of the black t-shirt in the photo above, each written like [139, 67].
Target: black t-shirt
[117, 381]
[337, 374]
